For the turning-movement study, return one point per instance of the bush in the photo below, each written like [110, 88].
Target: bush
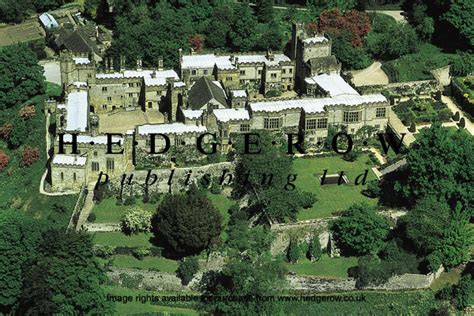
[187, 268]
[412, 128]
[456, 116]
[314, 252]
[136, 220]
[130, 200]
[373, 189]
[103, 252]
[307, 199]
[351, 156]
[140, 252]
[123, 250]
[101, 192]
[91, 218]
[29, 156]
[131, 281]
[446, 293]
[462, 123]
[156, 251]
[4, 159]
[293, 251]
[462, 292]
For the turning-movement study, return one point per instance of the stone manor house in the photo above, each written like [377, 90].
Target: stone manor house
[209, 93]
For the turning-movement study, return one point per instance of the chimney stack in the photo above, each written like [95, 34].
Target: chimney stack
[122, 63]
[139, 64]
[160, 63]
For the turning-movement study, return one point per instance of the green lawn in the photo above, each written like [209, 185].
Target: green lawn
[108, 212]
[162, 264]
[136, 306]
[451, 277]
[222, 203]
[325, 267]
[119, 239]
[331, 198]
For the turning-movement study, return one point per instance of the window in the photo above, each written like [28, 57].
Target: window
[138, 84]
[95, 166]
[193, 72]
[109, 99]
[377, 126]
[150, 105]
[284, 71]
[242, 81]
[74, 177]
[244, 127]
[95, 153]
[273, 75]
[272, 122]
[204, 72]
[311, 123]
[350, 117]
[291, 70]
[104, 106]
[110, 164]
[228, 79]
[104, 89]
[380, 112]
[242, 72]
[89, 76]
[226, 133]
[322, 123]
[130, 95]
[259, 71]
[130, 84]
[62, 176]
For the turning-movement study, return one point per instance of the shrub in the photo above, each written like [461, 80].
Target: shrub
[124, 250]
[373, 189]
[307, 199]
[187, 268]
[104, 252]
[462, 123]
[273, 93]
[462, 292]
[216, 188]
[29, 156]
[91, 218]
[101, 193]
[456, 116]
[129, 200]
[351, 156]
[27, 112]
[412, 128]
[445, 293]
[156, 251]
[136, 220]
[6, 131]
[140, 252]
[314, 252]
[370, 271]
[293, 251]
[131, 281]
[4, 159]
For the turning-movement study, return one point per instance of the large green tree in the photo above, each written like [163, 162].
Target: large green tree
[19, 236]
[437, 166]
[21, 77]
[264, 176]
[65, 277]
[187, 222]
[360, 230]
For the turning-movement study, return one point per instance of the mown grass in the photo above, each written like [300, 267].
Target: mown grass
[158, 263]
[325, 267]
[115, 239]
[222, 203]
[107, 211]
[136, 306]
[331, 198]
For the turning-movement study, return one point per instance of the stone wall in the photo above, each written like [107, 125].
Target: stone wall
[137, 184]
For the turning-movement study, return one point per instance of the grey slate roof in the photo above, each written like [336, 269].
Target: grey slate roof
[203, 91]
[75, 41]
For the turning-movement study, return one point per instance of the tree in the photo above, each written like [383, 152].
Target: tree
[396, 40]
[426, 224]
[373, 189]
[19, 133]
[462, 292]
[20, 74]
[454, 248]
[354, 23]
[360, 230]
[459, 16]
[19, 237]
[65, 278]
[314, 252]
[293, 251]
[436, 167]
[187, 268]
[243, 25]
[29, 156]
[27, 112]
[264, 10]
[4, 159]
[265, 177]
[187, 222]
[136, 220]
[196, 42]
[351, 57]
[218, 31]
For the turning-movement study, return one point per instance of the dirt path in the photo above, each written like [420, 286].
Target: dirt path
[397, 15]
[454, 108]
[372, 75]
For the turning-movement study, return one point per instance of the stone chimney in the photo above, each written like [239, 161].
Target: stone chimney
[139, 64]
[122, 63]
[160, 63]
[270, 55]
[106, 64]
[180, 55]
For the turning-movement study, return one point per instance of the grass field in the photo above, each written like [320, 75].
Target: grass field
[162, 264]
[108, 212]
[331, 198]
[135, 306]
[222, 203]
[325, 267]
[119, 239]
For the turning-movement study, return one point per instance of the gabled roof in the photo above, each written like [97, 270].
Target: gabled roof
[334, 85]
[203, 91]
[75, 41]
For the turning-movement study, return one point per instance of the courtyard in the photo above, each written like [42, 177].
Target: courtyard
[123, 121]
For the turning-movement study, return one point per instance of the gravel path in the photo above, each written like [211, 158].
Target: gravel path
[372, 75]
